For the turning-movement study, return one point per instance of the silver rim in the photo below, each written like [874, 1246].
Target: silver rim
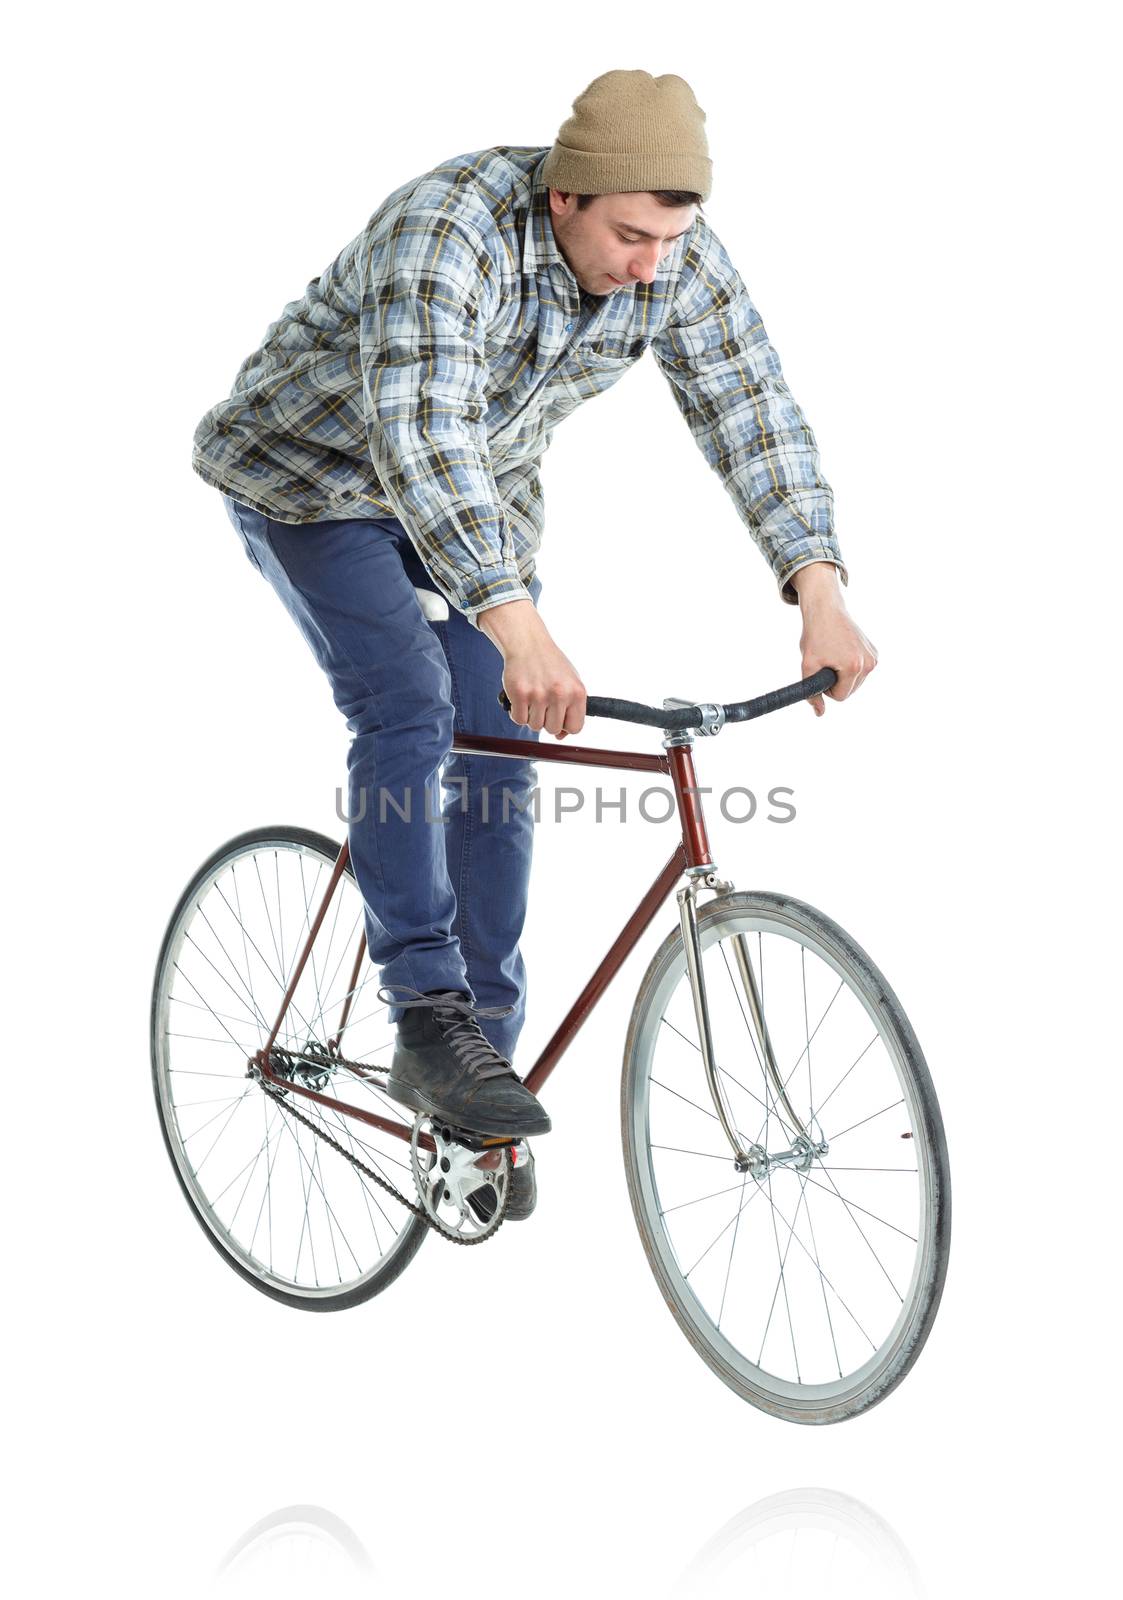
[801, 1288]
[286, 1207]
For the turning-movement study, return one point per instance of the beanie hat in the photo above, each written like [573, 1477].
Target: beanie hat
[631, 132]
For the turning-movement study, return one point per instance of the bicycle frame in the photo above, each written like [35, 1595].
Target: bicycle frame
[691, 856]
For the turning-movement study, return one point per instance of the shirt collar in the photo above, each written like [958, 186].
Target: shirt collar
[540, 248]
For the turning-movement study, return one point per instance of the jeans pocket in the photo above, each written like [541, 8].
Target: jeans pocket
[236, 513]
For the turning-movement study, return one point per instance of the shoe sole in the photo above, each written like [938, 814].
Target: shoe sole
[405, 1095]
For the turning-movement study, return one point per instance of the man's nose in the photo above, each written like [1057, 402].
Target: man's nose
[644, 263]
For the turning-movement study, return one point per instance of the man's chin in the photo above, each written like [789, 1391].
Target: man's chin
[602, 285]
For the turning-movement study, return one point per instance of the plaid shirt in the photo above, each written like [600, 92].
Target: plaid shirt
[422, 374]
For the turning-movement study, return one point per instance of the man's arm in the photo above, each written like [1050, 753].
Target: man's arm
[426, 292]
[728, 384]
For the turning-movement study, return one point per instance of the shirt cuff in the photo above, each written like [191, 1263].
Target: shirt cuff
[490, 586]
[785, 570]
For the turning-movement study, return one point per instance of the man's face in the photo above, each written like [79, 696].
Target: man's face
[617, 240]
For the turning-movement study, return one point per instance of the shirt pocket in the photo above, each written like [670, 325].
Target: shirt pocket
[587, 370]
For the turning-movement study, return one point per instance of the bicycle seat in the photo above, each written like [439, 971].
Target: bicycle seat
[434, 605]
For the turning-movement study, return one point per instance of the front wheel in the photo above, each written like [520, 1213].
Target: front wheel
[809, 1277]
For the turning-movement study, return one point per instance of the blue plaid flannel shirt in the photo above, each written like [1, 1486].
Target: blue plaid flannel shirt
[422, 374]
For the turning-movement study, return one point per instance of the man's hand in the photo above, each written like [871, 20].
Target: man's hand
[541, 683]
[831, 637]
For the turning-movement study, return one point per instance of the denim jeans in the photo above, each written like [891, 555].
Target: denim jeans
[443, 876]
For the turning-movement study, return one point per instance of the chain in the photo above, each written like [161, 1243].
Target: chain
[284, 1102]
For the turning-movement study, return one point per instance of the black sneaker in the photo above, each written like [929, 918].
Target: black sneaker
[443, 1064]
[520, 1203]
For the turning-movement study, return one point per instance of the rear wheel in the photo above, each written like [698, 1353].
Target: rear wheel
[286, 1210]
[809, 1281]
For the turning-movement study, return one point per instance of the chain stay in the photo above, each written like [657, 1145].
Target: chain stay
[286, 1105]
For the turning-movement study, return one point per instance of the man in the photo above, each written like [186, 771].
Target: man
[386, 439]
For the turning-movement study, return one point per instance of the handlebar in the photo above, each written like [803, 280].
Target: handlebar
[673, 718]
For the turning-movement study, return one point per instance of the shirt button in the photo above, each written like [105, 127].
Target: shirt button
[569, 327]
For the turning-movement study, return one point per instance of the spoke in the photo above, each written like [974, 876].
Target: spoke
[822, 1274]
[873, 1214]
[693, 1103]
[313, 1169]
[368, 1193]
[823, 1287]
[723, 1070]
[213, 1203]
[306, 1228]
[178, 1000]
[193, 1072]
[709, 1154]
[277, 950]
[850, 1069]
[737, 986]
[212, 1100]
[862, 1231]
[782, 1282]
[818, 1025]
[732, 1247]
[233, 967]
[835, 1137]
[199, 1038]
[282, 982]
[263, 1146]
[245, 943]
[270, 1162]
[237, 1045]
[218, 1135]
[195, 1134]
[698, 1201]
[328, 1211]
[724, 1231]
[833, 1168]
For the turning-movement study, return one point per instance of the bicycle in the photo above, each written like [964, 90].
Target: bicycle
[762, 1039]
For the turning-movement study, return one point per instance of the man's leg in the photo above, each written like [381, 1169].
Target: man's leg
[346, 588]
[489, 805]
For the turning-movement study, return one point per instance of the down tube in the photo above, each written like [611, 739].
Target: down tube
[621, 948]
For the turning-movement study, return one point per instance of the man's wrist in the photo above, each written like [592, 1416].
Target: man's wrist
[508, 622]
[816, 581]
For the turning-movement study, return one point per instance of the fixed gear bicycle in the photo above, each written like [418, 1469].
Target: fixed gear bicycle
[783, 1145]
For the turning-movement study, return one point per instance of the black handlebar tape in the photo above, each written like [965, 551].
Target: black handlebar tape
[671, 718]
[776, 699]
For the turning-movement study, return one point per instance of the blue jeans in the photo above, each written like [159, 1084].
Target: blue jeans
[444, 879]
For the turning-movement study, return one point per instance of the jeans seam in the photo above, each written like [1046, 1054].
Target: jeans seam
[441, 630]
[401, 956]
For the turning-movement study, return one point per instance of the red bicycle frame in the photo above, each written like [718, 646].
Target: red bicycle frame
[692, 854]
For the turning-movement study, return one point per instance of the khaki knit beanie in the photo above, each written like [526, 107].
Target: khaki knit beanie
[630, 132]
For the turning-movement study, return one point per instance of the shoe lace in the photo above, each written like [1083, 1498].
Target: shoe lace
[456, 1014]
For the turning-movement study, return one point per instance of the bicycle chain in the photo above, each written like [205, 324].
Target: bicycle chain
[418, 1211]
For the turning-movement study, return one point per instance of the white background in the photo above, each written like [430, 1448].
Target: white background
[918, 199]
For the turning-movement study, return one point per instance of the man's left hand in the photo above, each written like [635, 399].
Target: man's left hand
[831, 637]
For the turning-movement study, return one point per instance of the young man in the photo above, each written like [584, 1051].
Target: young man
[386, 438]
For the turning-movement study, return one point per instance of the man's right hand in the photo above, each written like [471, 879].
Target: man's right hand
[541, 683]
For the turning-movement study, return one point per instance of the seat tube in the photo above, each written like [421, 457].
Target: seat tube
[680, 757]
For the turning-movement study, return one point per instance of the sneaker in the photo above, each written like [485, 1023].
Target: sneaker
[520, 1202]
[444, 1065]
